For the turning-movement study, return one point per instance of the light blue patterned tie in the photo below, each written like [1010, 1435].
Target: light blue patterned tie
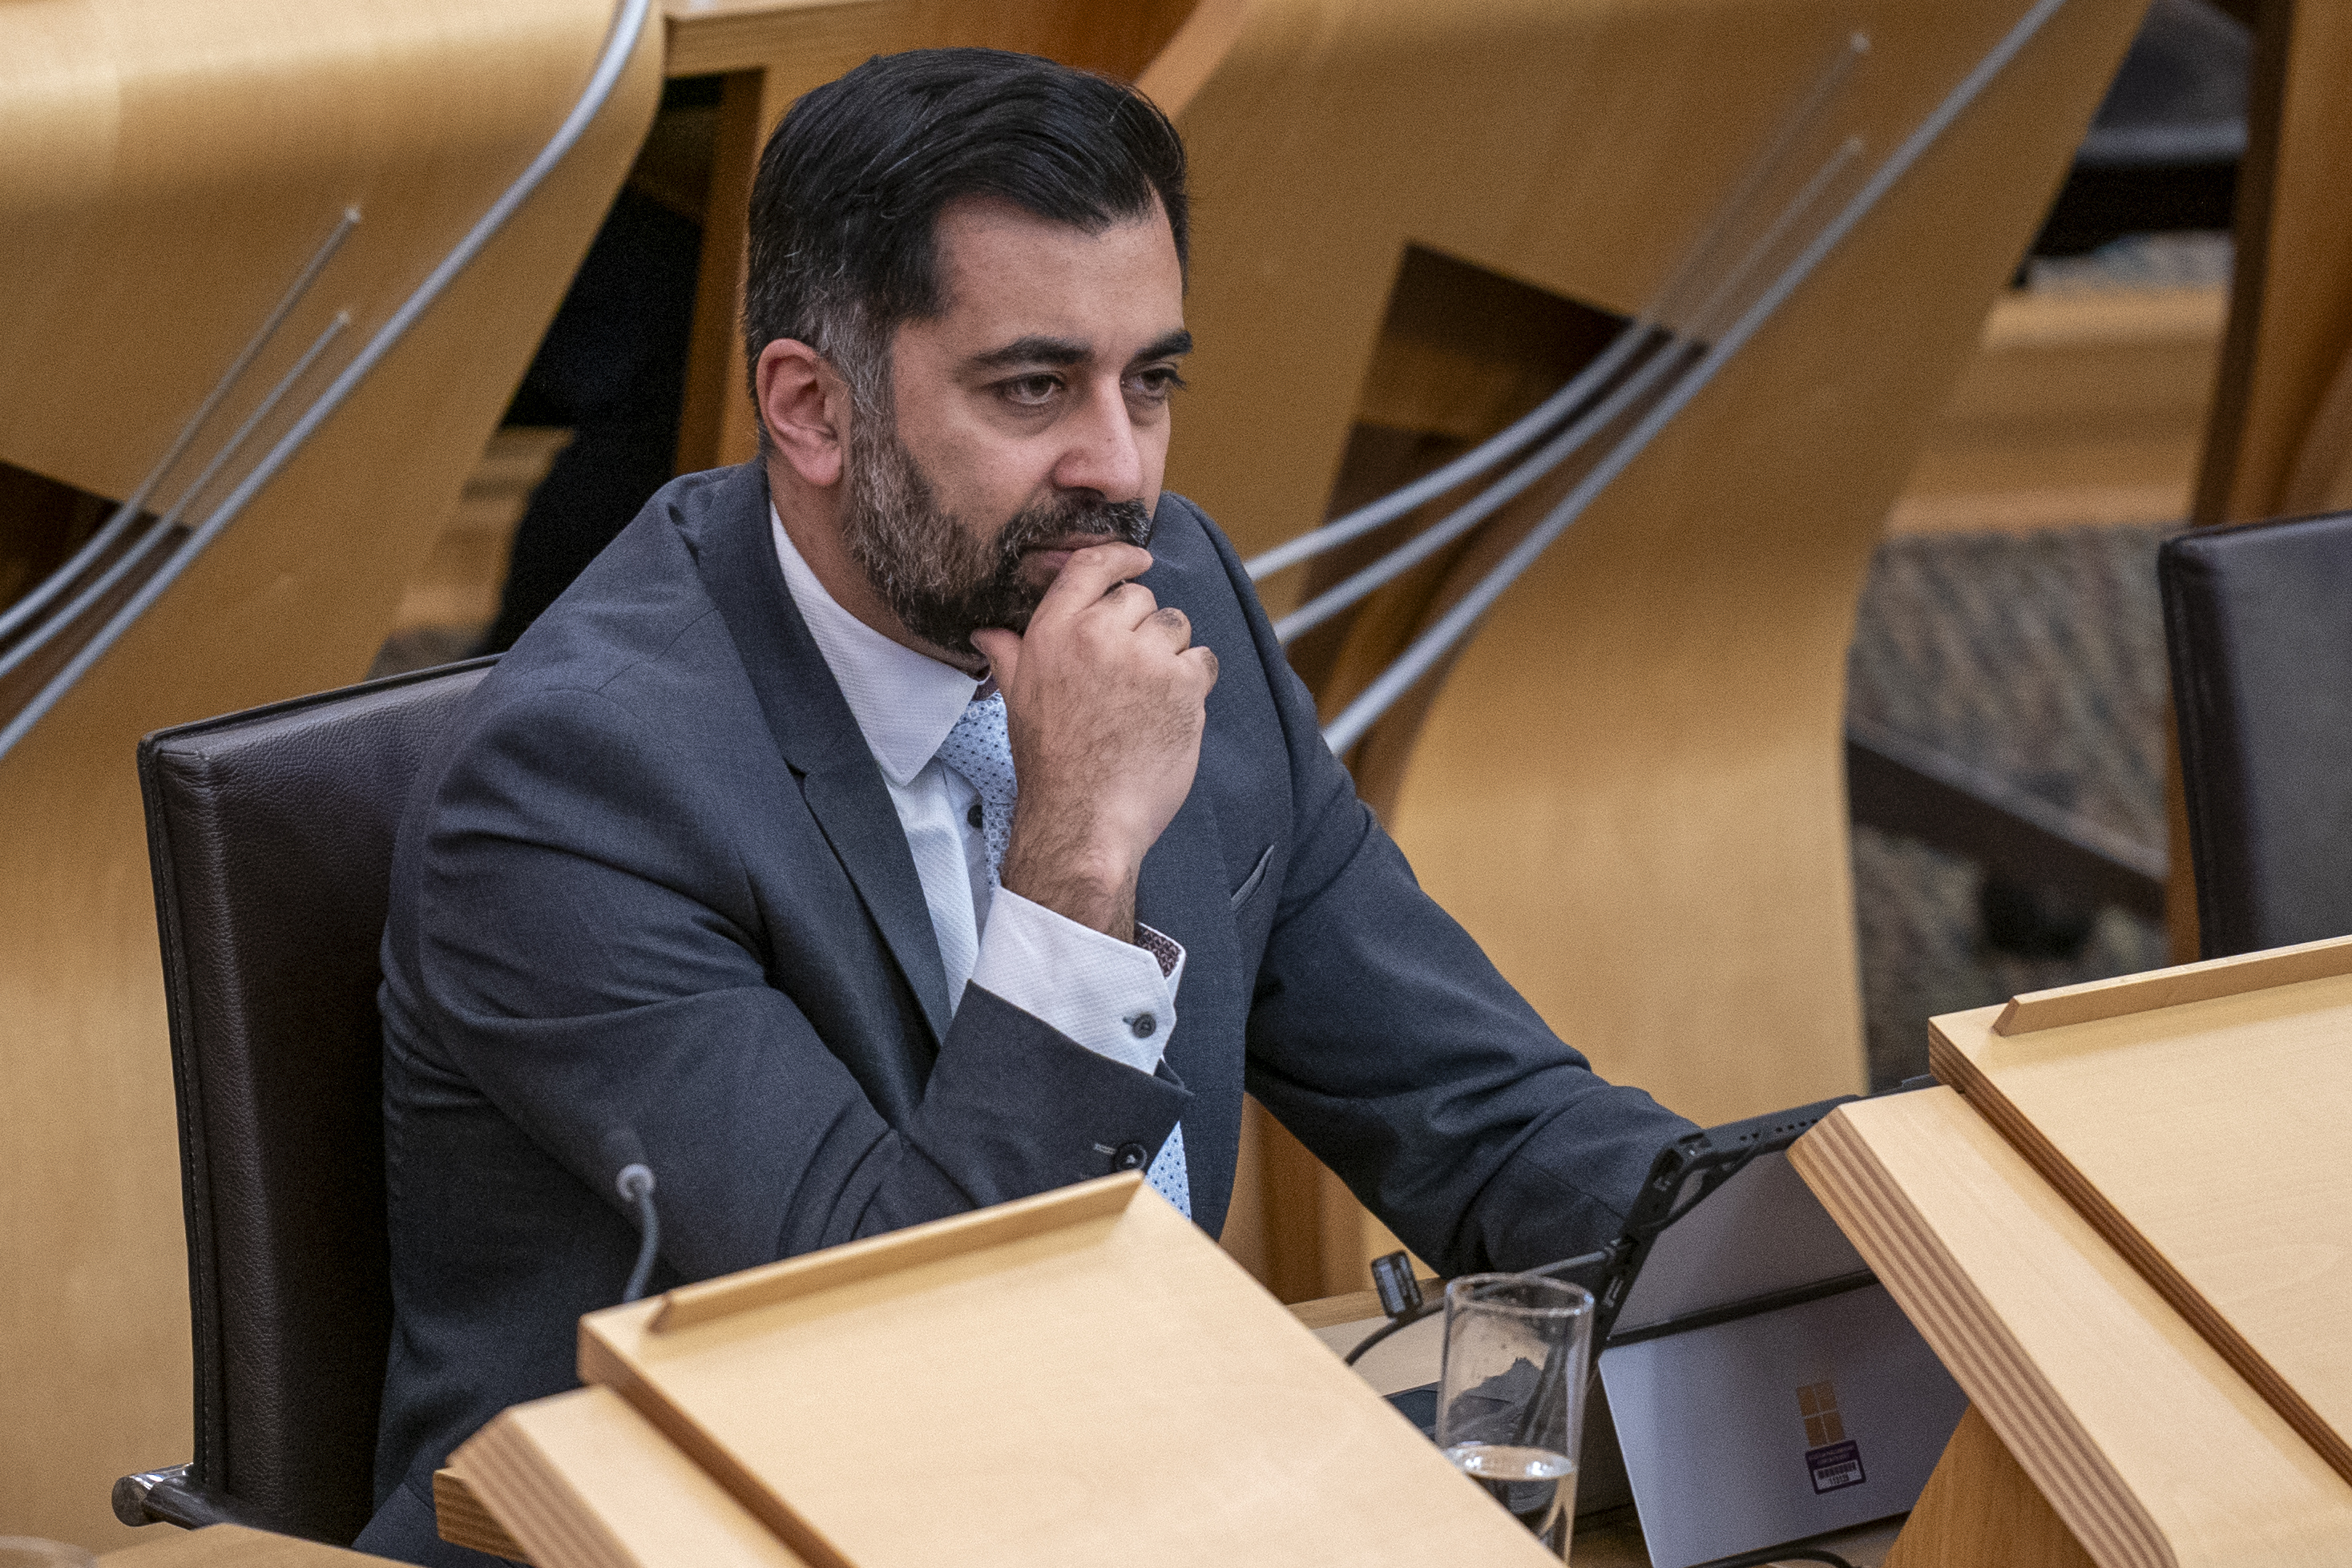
[981, 750]
[1168, 1174]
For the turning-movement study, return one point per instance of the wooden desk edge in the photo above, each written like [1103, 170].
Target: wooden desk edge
[714, 37]
[462, 1519]
[233, 1546]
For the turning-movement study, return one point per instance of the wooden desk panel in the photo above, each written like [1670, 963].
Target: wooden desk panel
[166, 172]
[2145, 1442]
[2190, 1114]
[232, 1546]
[1610, 1539]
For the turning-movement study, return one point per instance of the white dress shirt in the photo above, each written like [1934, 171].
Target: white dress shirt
[1098, 990]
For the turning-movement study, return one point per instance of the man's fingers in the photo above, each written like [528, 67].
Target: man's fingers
[1092, 572]
[1002, 649]
[1173, 624]
[1208, 657]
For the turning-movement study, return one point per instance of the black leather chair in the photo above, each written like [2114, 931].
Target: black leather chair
[2258, 624]
[271, 833]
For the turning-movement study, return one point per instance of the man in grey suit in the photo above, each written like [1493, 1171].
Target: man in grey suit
[880, 830]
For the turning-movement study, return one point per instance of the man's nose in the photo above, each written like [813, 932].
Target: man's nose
[1105, 453]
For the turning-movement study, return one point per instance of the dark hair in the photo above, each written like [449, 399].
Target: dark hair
[852, 184]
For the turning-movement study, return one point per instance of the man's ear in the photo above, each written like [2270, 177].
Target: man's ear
[804, 403]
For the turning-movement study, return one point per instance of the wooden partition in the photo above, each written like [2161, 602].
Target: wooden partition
[167, 173]
[2279, 440]
[1628, 786]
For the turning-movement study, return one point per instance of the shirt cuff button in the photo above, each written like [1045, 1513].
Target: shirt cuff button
[1143, 1024]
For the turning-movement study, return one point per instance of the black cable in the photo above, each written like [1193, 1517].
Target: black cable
[1428, 1309]
[635, 1185]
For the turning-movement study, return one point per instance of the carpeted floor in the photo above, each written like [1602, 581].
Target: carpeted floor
[2040, 658]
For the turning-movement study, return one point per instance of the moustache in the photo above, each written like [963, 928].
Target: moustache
[1123, 522]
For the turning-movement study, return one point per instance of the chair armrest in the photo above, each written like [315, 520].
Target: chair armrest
[173, 1497]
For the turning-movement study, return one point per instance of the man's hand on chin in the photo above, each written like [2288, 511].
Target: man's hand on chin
[1105, 696]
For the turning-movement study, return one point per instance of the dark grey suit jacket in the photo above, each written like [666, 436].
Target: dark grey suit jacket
[653, 894]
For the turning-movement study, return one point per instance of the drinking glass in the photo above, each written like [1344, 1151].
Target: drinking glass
[1510, 1402]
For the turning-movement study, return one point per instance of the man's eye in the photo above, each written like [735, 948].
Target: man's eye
[1156, 383]
[1030, 390]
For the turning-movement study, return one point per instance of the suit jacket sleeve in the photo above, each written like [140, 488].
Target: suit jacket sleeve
[1381, 1036]
[591, 953]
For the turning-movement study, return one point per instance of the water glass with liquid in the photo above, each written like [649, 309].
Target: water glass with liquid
[1510, 1403]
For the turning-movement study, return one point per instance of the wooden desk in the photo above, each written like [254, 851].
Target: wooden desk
[233, 1546]
[1609, 1540]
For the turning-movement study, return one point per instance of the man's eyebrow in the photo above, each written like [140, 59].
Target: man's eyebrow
[1166, 347]
[1036, 349]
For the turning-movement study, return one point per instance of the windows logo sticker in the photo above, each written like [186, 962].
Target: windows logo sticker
[1833, 1461]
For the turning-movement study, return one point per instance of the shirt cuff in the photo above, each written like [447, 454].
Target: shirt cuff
[1115, 998]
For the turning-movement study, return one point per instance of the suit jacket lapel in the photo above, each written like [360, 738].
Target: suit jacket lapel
[815, 730]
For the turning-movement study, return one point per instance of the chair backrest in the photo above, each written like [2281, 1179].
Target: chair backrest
[2258, 625]
[271, 834]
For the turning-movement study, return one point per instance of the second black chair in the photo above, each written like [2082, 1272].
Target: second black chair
[2258, 624]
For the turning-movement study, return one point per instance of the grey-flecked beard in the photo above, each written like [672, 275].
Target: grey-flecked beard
[943, 583]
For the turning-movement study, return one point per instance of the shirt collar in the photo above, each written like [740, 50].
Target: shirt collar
[904, 703]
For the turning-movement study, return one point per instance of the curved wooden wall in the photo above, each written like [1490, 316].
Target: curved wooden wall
[1629, 786]
[165, 171]
[2279, 440]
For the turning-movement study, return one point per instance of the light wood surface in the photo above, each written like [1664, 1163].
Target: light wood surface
[230, 1546]
[467, 1520]
[880, 1256]
[2279, 442]
[2186, 1134]
[2142, 1439]
[587, 1482]
[2290, 318]
[165, 170]
[1981, 1508]
[2080, 407]
[2322, 480]
[998, 1384]
[1630, 786]
[2214, 977]
[611, 1452]
[459, 584]
[463, 1518]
